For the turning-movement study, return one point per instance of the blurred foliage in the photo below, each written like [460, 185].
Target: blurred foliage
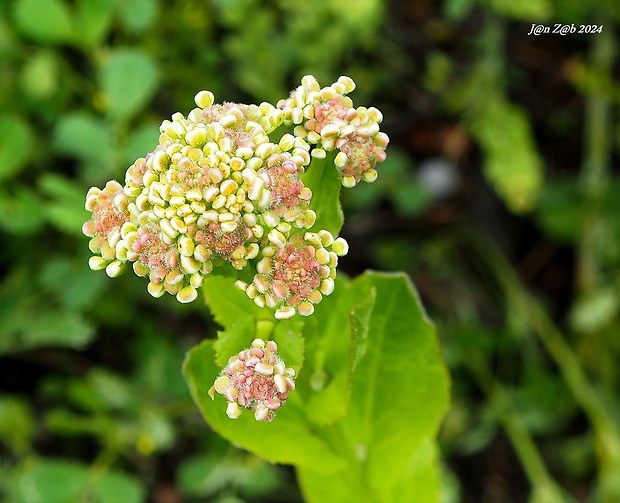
[494, 134]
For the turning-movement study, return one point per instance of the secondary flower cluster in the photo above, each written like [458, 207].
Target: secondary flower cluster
[325, 117]
[217, 191]
[255, 379]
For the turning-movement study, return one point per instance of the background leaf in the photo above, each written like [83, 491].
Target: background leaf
[86, 137]
[15, 145]
[138, 15]
[47, 21]
[60, 481]
[66, 208]
[94, 18]
[128, 79]
[114, 484]
[21, 211]
[51, 481]
[512, 164]
[30, 327]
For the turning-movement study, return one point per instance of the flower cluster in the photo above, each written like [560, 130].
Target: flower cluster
[325, 118]
[218, 191]
[255, 379]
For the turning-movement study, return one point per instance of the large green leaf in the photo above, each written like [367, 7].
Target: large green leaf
[377, 445]
[128, 79]
[334, 339]
[288, 439]
[399, 394]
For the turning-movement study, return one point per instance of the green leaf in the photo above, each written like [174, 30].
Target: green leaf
[533, 10]
[51, 481]
[228, 304]
[15, 145]
[93, 17]
[201, 476]
[399, 394]
[115, 485]
[32, 327]
[66, 208]
[245, 321]
[229, 342]
[420, 481]
[512, 163]
[288, 439]
[66, 281]
[143, 140]
[17, 426]
[287, 335]
[456, 10]
[560, 209]
[323, 179]
[40, 77]
[595, 310]
[22, 212]
[138, 15]
[360, 325]
[128, 79]
[59, 481]
[47, 21]
[82, 135]
[335, 335]
[207, 475]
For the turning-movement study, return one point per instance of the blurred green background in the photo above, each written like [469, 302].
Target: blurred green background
[498, 197]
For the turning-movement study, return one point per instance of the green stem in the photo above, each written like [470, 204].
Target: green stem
[595, 169]
[531, 460]
[523, 307]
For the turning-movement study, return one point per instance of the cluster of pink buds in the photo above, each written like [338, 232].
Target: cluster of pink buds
[219, 191]
[255, 379]
[326, 119]
[294, 277]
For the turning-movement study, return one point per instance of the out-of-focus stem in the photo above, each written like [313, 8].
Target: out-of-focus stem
[594, 175]
[522, 306]
[544, 488]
